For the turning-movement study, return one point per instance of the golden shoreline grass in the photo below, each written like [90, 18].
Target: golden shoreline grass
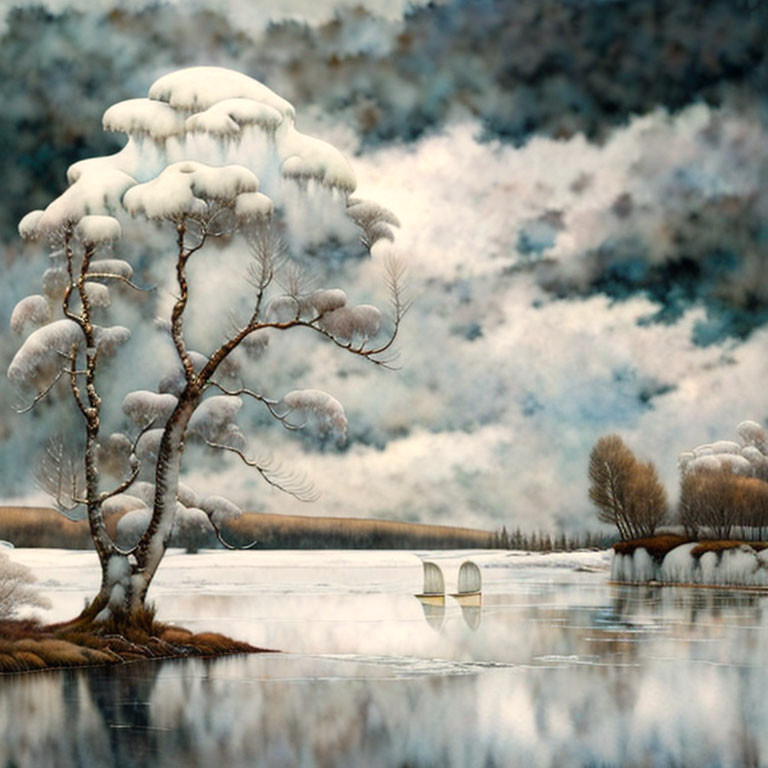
[29, 646]
[45, 527]
[658, 546]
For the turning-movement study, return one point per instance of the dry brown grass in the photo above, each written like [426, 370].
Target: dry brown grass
[303, 532]
[43, 527]
[658, 546]
[722, 545]
[27, 646]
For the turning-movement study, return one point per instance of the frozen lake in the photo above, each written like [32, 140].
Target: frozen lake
[555, 668]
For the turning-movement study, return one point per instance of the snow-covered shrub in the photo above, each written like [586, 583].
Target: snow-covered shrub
[16, 588]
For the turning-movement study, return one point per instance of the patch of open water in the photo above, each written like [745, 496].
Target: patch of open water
[554, 667]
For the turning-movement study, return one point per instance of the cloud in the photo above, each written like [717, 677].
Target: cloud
[584, 233]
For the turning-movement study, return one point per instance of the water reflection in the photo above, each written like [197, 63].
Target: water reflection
[545, 670]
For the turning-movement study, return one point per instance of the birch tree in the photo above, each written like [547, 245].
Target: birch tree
[213, 160]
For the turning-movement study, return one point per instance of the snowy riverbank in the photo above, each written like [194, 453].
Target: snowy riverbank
[739, 566]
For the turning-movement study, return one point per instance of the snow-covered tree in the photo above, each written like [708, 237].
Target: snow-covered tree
[213, 159]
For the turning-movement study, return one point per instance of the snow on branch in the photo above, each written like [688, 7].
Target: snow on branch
[98, 190]
[375, 221]
[213, 417]
[187, 496]
[358, 323]
[146, 117]
[304, 157]
[253, 206]
[317, 409]
[143, 407]
[40, 356]
[96, 230]
[199, 88]
[326, 300]
[131, 526]
[97, 294]
[109, 339]
[748, 458]
[116, 267]
[227, 117]
[121, 503]
[184, 189]
[32, 311]
[28, 225]
[220, 509]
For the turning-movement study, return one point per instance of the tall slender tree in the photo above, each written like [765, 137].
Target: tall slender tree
[214, 158]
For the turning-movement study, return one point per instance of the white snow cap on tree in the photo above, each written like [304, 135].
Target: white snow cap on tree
[305, 157]
[227, 117]
[28, 225]
[32, 311]
[316, 406]
[213, 416]
[184, 188]
[131, 526]
[147, 117]
[750, 457]
[97, 230]
[122, 503]
[97, 294]
[109, 339]
[143, 491]
[326, 300]
[220, 509]
[143, 406]
[187, 496]
[348, 323]
[197, 89]
[116, 267]
[98, 190]
[752, 433]
[253, 205]
[44, 351]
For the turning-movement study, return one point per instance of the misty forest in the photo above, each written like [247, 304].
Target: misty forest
[384, 383]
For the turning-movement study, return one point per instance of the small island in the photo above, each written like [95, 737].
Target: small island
[716, 535]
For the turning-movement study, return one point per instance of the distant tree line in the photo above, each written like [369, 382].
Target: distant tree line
[723, 489]
[545, 542]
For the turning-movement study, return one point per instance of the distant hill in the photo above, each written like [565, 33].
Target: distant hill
[45, 527]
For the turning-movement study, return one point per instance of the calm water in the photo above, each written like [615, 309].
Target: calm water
[555, 668]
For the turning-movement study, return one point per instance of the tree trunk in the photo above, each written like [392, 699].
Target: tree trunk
[126, 576]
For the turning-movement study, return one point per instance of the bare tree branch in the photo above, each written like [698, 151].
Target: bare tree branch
[295, 485]
[120, 278]
[222, 540]
[41, 395]
[57, 474]
[135, 467]
[270, 405]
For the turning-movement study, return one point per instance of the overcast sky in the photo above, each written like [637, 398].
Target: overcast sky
[582, 188]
